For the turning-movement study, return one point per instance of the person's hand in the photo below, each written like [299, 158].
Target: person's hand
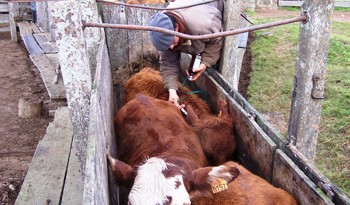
[197, 72]
[173, 97]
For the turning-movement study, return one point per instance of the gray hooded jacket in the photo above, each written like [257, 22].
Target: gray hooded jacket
[202, 19]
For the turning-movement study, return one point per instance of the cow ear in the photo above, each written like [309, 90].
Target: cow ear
[203, 178]
[191, 116]
[122, 172]
[223, 110]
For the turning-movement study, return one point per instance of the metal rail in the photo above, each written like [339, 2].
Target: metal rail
[302, 18]
[154, 8]
[28, 1]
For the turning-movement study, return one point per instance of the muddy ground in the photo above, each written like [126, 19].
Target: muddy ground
[19, 78]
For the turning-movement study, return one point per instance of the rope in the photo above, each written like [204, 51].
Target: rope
[192, 92]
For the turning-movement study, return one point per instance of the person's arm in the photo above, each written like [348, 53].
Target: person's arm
[212, 50]
[169, 69]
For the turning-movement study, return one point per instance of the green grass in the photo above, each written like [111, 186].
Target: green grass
[274, 56]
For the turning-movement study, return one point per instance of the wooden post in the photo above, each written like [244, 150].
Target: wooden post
[13, 12]
[310, 72]
[228, 63]
[92, 35]
[74, 61]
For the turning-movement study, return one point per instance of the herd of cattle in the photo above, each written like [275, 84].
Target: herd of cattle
[167, 158]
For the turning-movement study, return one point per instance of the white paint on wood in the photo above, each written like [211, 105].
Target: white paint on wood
[76, 73]
[92, 35]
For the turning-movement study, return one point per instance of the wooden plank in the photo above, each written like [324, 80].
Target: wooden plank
[117, 39]
[287, 175]
[45, 178]
[5, 29]
[300, 3]
[31, 45]
[24, 29]
[134, 37]
[4, 8]
[46, 64]
[150, 53]
[32, 26]
[338, 197]
[290, 3]
[4, 18]
[345, 4]
[74, 185]
[98, 187]
[45, 44]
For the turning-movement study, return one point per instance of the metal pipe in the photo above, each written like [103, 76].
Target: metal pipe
[28, 1]
[197, 37]
[155, 8]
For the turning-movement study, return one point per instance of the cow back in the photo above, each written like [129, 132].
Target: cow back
[148, 127]
[246, 189]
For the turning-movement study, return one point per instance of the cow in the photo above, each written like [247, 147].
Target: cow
[160, 159]
[215, 132]
[246, 189]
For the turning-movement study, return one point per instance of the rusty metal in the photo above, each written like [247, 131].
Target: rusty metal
[197, 37]
[28, 1]
[315, 83]
[154, 8]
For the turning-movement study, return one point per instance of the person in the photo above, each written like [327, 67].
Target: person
[196, 20]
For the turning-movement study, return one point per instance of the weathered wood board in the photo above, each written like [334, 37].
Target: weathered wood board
[128, 47]
[4, 18]
[46, 64]
[46, 175]
[117, 39]
[31, 45]
[287, 174]
[27, 28]
[4, 8]
[97, 187]
[45, 44]
[300, 3]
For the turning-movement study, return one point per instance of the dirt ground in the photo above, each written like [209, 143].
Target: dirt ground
[19, 78]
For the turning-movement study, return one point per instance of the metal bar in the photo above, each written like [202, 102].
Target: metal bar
[197, 37]
[154, 8]
[28, 1]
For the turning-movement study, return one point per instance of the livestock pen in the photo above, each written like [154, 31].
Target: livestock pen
[95, 63]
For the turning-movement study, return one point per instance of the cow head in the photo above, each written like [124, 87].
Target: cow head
[157, 181]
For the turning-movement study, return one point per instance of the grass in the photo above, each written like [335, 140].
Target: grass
[274, 56]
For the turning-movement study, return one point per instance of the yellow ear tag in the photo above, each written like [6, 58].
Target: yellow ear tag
[219, 185]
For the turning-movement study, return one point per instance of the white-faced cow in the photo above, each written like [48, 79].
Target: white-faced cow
[215, 132]
[161, 159]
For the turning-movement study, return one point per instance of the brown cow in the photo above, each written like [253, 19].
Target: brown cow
[246, 189]
[160, 157]
[215, 132]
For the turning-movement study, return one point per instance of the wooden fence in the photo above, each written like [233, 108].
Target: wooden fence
[299, 3]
